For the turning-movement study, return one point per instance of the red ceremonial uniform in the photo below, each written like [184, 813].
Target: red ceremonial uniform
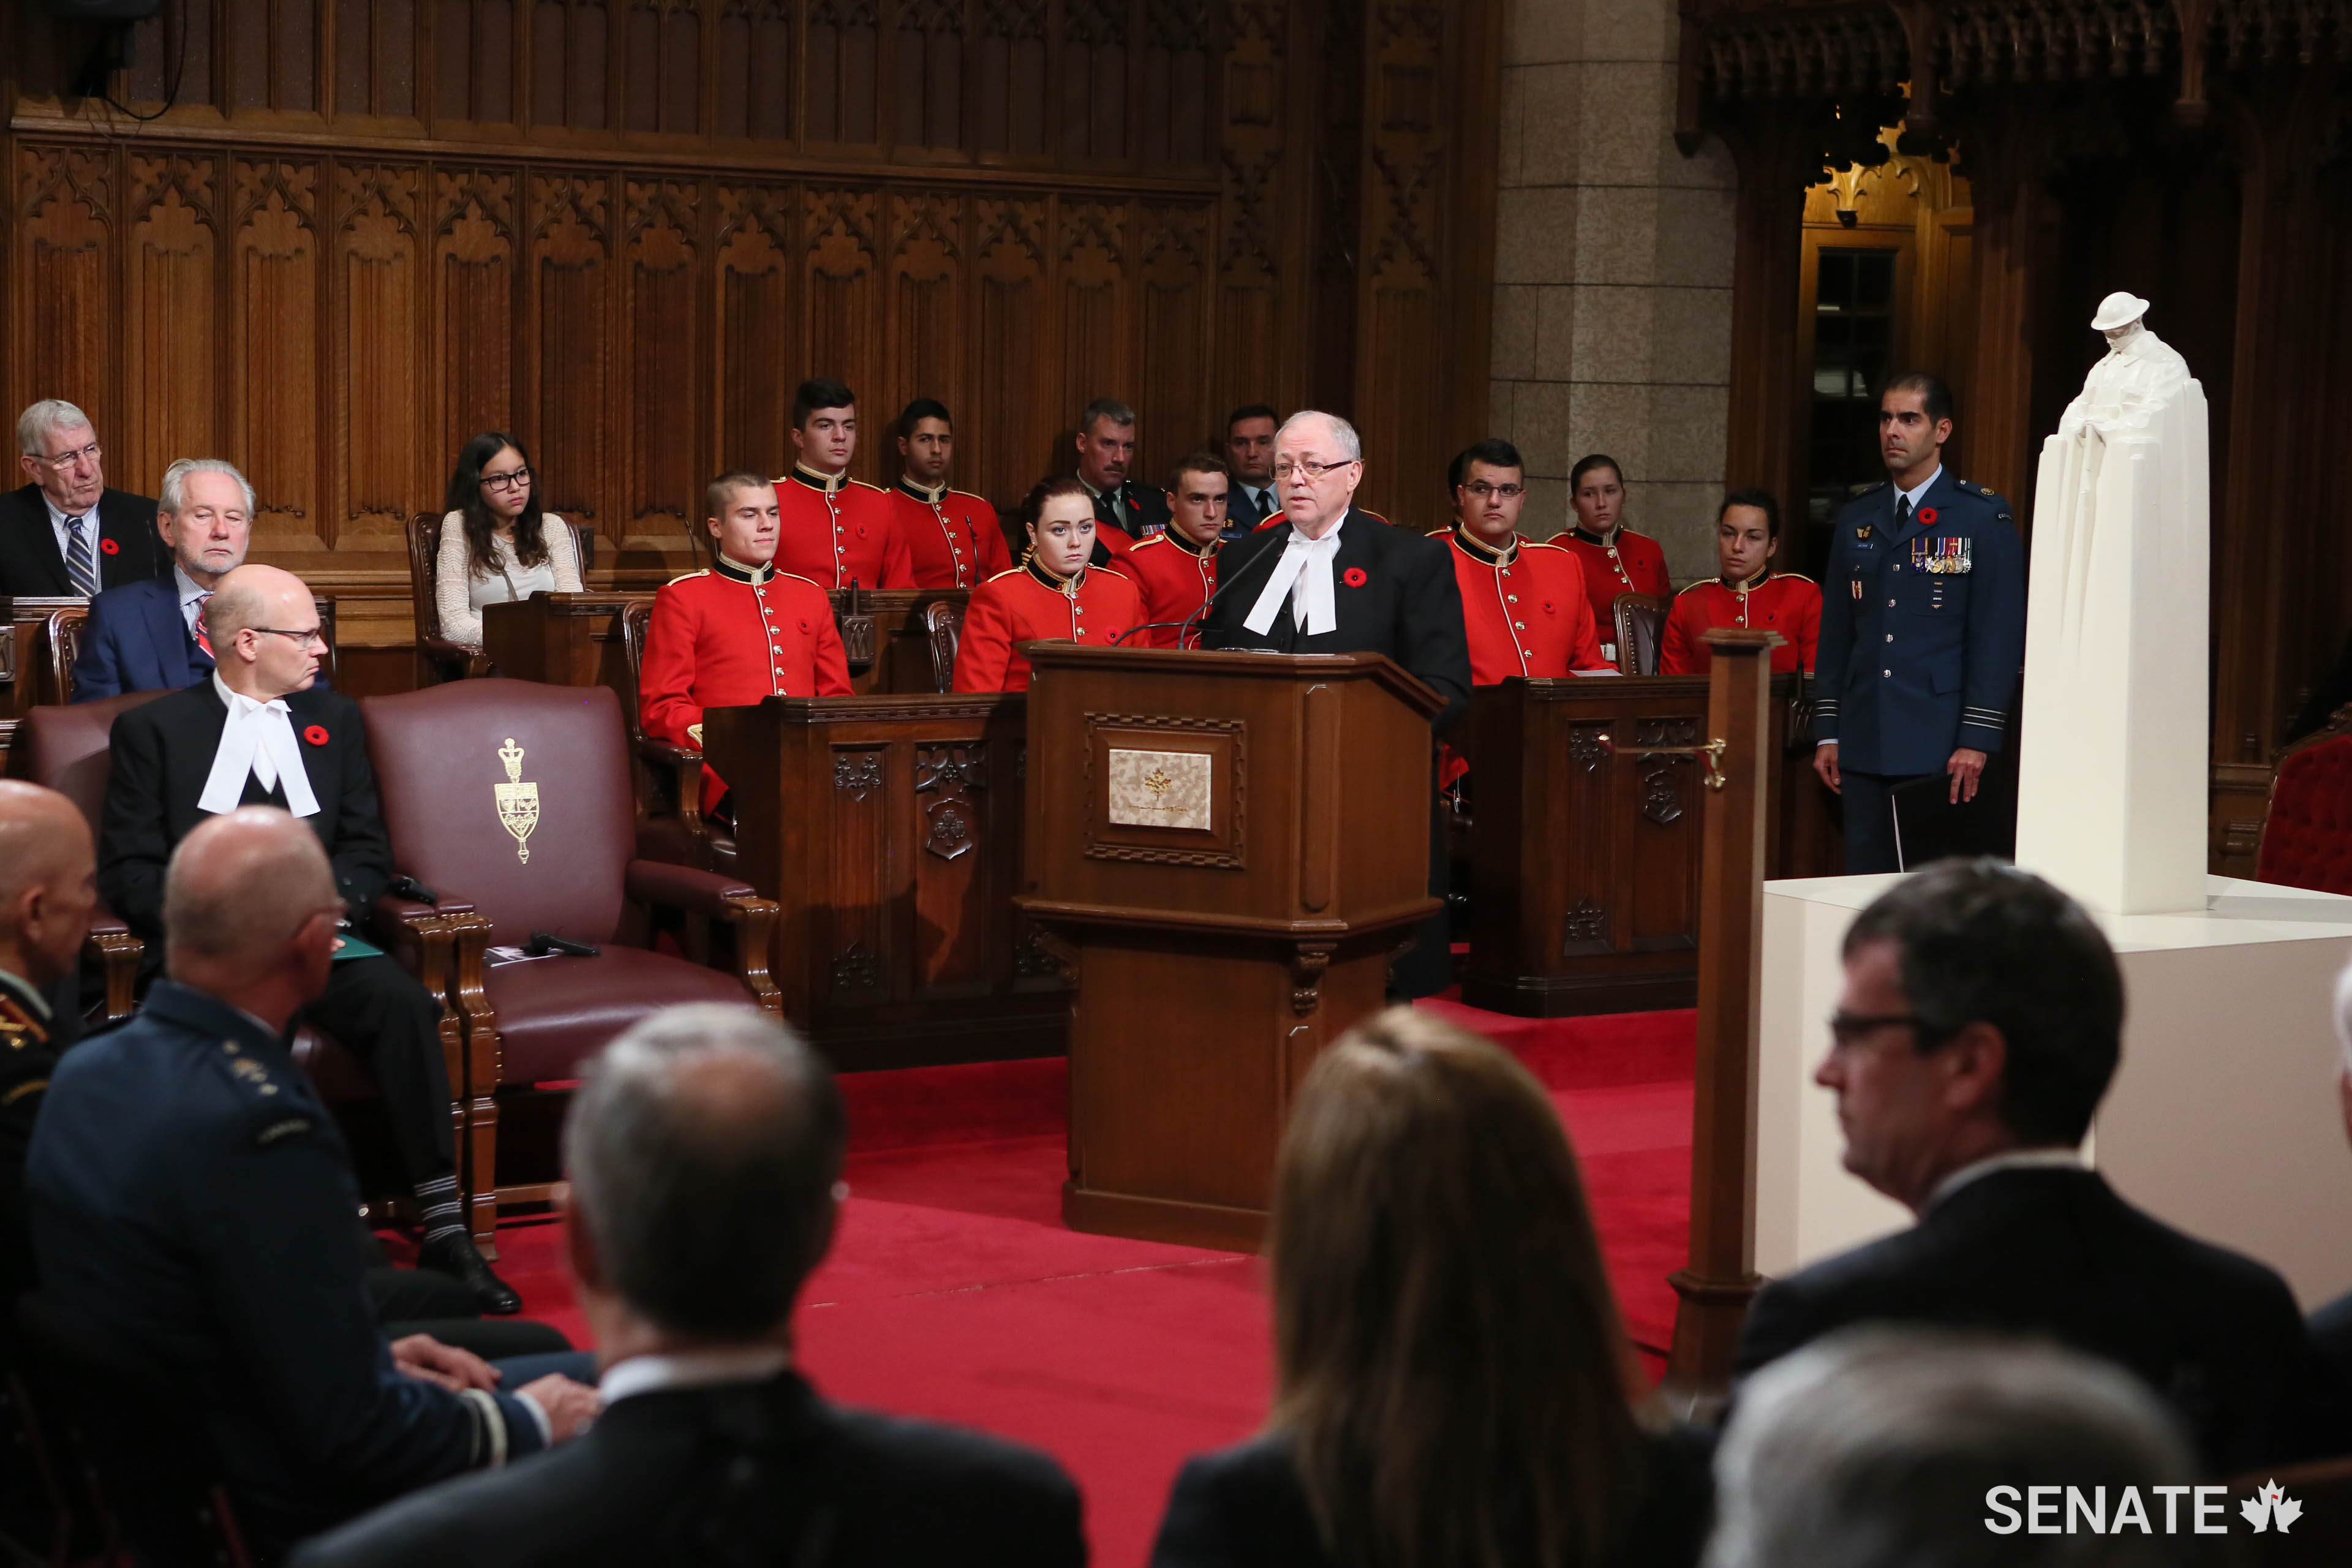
[1525, 608]
[1028, 603]
[1175, 578]
[838, 531]
[1625, 563]
[952, 537]
[1784, 601]
[728, 636]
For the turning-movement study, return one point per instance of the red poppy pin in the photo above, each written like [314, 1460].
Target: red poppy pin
[109, 547]
[1926, 516]
[316, 734]
[1354, 577]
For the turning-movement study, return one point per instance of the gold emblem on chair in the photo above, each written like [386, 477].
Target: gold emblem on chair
[518, 801]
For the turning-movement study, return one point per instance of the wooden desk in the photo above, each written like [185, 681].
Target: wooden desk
[889, 829]
[902, 651]
[1585, 853]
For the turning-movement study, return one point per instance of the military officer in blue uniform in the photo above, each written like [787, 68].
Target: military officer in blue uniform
[191, 1207]
[1923, 627]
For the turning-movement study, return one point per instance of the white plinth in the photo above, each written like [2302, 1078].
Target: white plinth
[2223, 1119]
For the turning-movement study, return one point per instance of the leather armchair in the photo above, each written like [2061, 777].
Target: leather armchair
[2306, 838]
[517, 798]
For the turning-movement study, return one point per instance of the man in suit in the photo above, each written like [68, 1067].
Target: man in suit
[710, 1435]
[48, 886]
[149, 636]
[1105, 446]
[261, 731]
[1981, 1020]
[1922, 628]
[193, 1202]
[64, 534]
[1335, 579]
[1249, 451]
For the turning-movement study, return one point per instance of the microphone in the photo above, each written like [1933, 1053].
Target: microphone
[1272, 554]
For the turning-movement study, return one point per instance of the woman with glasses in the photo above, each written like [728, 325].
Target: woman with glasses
[1453, 1387]
[496, 545]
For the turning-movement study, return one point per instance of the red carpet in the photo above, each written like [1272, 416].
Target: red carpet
[954, 1291]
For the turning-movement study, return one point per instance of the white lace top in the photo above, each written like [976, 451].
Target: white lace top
[460, 594]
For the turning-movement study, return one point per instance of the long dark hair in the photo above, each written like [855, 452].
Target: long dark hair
[1454, 1377]
[464, 498]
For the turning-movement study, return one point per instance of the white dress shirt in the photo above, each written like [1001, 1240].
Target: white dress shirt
[692, 1369]
[1303, 577]
[65, 526]
[258, 741]
[1913, 494]
[191, 597]
[2013, 1160]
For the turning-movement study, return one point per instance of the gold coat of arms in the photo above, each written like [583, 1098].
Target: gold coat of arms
[518, 801]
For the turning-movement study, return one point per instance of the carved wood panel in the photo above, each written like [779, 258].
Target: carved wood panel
[382, 466]
[760, 294]
[274, 333]
[855, 928]
[170, 321]
[62, 325]
[476, 341]
[567, 329]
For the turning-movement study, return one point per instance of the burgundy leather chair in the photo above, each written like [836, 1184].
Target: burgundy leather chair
[2306, 838]
[1641, 625]
[517, 798]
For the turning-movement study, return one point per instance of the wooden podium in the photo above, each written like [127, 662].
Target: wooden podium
[561, 639]
[1227, 848]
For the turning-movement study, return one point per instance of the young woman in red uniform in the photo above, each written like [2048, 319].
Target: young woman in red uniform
[1615, 559]
[1748, 592]
[1053, 594]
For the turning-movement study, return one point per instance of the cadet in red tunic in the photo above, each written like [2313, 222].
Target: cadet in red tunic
[1523, 604]
[952, 537]
[836, 529]
[1176, 569]
[1053, 594]
[1748, 593]
[1615, 559]
[739, 632]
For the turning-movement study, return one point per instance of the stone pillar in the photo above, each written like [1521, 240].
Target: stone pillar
[1613, 271]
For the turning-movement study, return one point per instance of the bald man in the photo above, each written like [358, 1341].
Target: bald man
[48, 885]
[192, 1204]
[260, 731]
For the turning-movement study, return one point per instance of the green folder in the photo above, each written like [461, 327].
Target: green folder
[357, 947]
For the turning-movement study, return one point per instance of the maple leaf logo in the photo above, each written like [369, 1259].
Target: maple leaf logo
[2270, 1506]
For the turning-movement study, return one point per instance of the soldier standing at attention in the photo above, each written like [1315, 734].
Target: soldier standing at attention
[1923, 625]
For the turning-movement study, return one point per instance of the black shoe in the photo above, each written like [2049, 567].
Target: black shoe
[456, 1256]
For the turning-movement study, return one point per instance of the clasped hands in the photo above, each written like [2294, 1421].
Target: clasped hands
[570, 1406]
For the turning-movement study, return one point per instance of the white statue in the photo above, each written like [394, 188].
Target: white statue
[2112, 762]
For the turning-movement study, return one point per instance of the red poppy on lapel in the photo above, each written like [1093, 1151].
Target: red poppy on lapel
[109, 547]
[1355, 577]
[316, 734]
[1926, 515]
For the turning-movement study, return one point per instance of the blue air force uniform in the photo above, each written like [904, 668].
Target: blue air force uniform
[1923, 637]
[192, 1204]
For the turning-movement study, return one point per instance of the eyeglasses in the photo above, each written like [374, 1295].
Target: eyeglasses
[517, 480]
[1311, 470]
[315, 634]
[1482, 489]
[65, 460]
[1846, 1029]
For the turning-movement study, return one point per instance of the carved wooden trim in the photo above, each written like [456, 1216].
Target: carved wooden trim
[1233, 731]
[951, 772]
[1308, 963]
[857, 773]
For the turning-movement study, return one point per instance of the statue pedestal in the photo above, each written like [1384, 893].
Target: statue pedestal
[2223, 1119]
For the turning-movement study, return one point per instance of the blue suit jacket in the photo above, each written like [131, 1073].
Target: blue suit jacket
[136, 641]
[1923, 629]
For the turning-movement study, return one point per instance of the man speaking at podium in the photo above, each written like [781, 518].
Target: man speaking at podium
[1339, 580]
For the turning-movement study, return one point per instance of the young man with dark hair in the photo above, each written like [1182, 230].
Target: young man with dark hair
[836, 530]
[1249, 451]
[1176, 569]
[1746, 592]
[1981, 1022]
[1523, 604]
[1923, 627]
[952, 537]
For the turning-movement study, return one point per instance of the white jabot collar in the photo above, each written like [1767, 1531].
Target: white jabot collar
[693, 1368]
[258, 741]
[2013, 1160]
[1913, 495]
[1303, 577]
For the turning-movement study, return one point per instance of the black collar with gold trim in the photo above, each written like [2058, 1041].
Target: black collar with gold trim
[1762, 576]
[1042, 572]
[1479, 549]
[928, 497]
[736, 572]
[1606, 541]
[1184, 542]
[831, 484]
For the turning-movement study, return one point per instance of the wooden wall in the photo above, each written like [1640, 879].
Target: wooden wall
[364, 229]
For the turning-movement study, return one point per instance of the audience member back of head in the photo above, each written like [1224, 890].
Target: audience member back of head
[704, 1150]
[1453, 1379]
[1885, 1448]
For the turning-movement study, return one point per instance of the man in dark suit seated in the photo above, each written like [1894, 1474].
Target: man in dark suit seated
[149, 636]
[1981, 1021]
[704, 1151]
[64, 534]
[193, 1203]
[260, 731]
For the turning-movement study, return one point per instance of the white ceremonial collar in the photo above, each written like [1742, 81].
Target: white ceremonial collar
[253, 731]
[692, 1369]
[2012, 1160]
[1303, 579]
[1913, 496]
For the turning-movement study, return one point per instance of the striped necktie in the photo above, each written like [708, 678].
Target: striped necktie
[204, 640]
[80, 565]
